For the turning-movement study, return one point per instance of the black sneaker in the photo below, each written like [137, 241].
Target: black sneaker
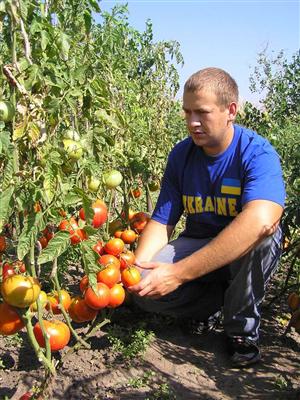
[196, 327]
[243, 351]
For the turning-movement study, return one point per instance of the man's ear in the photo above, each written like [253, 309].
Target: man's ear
[232, 111]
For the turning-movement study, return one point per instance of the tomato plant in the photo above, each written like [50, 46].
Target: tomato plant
[20, 291]
[98, 299]
[57, 331]
[130, 276]
[10, 321]
[117, 296]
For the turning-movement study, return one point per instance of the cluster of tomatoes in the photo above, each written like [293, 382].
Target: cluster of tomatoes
[117, 271]
[20, 291]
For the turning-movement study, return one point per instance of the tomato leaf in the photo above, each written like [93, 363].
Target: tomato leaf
[90, 257]
[56, 246]
[6, 204]
[106, 118]
[32, 225]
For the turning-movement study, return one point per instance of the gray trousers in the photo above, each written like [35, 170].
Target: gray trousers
[239, 287]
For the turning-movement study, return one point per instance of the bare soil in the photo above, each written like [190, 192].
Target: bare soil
[175, 365]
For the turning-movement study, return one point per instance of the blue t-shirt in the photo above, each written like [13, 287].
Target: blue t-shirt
[212, 190]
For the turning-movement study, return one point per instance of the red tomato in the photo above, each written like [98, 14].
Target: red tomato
[97, 300]
[109, 275]
[84, 283]
[126, 259]
[77, 235]
[53, 299]
[117, 296]
[10, 321]
[108, 259]
[58, 332]
[128, 236]
[139, 221]
[136, 193]
[43, 241]
[130, 276]
[26, 396]
[73, 315]
[7, 270]
[2, 244]
[100, 213]
[114, 246]
[19, 266]
[118, 234]
[83, 312]
[98, 248]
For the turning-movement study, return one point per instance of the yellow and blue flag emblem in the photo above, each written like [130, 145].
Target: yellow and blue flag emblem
[231, 186]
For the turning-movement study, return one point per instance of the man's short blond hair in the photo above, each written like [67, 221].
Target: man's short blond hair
[218, 81]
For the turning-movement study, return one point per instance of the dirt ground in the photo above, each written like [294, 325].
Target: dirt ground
[176, 365]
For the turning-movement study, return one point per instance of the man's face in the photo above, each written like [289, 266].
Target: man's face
[209, 124]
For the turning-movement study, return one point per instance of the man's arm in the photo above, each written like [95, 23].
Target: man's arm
[154, 237]
[258, 219]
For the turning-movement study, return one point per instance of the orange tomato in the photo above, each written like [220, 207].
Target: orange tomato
[114, 246]
[128, 236]
[130, 276]
[110, 275]
[99, 299]
[108, 259]
[10, 322]
[117, 296]
[53, 299]
[126, 259]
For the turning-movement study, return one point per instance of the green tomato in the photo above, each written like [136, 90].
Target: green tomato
[71, 134]
[112, 179]
[7, 111]
[93, 184]
[73, 149]
[154, 186]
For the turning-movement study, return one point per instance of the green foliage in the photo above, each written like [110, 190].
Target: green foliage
[279, 79]
[129, 342]
[71, 66]
[278, 121]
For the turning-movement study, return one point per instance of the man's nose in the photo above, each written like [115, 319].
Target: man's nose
[194, 120]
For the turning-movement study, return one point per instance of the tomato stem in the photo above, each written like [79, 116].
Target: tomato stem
[65, 314]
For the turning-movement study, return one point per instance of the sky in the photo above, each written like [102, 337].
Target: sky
[227, 34]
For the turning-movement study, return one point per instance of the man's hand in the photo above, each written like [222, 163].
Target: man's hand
[159, 282]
